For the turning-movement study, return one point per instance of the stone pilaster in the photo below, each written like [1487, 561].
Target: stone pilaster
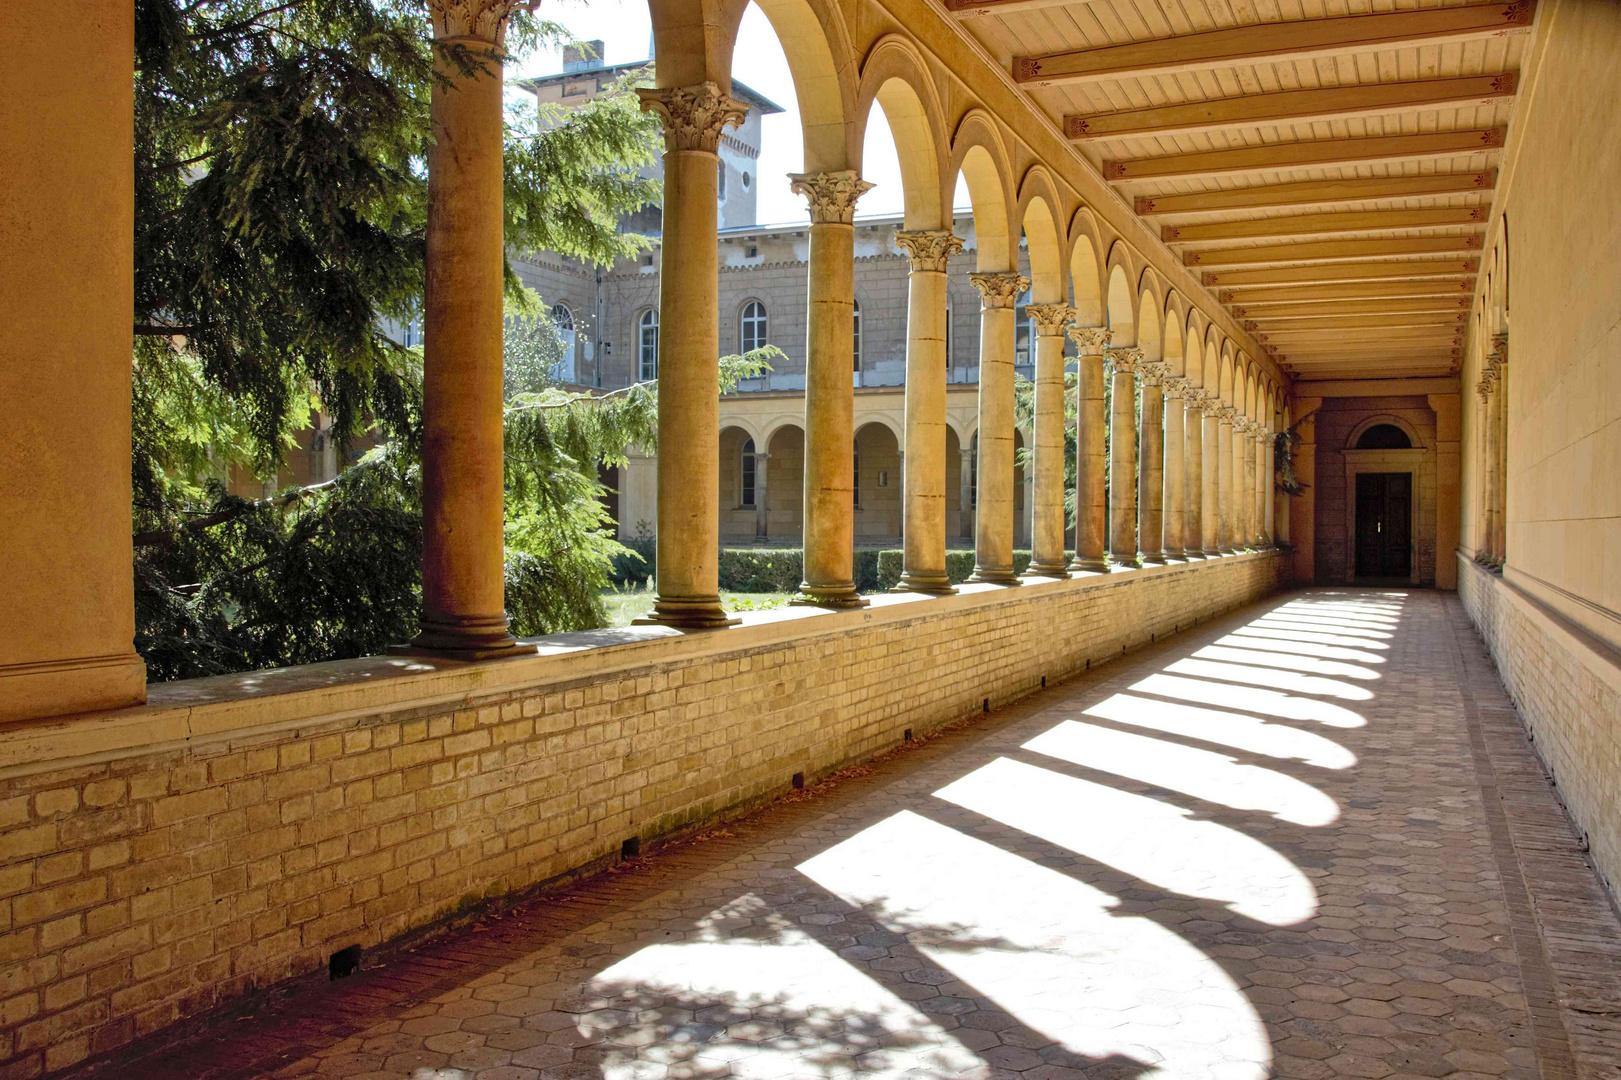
[829, 523]
[993, 535]
[1174, 504]
[1151, 465]
[689, 351]
[1047, 442]
[1123, 362]
[923, 567]
[1091, 464]
[463, 539]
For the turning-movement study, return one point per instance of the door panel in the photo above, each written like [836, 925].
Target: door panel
[1384, 515]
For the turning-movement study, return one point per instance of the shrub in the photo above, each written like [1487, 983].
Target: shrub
[761, 570]
[959, 567]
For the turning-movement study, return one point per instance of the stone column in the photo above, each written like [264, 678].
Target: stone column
[689, 355]
[965, 492]
[1123, 456]
[1091, 460]
[829, 505]
[923, 568]
[762, 497]
[1269, 487]
[1193, 473]
[1303, 507]
[1500, 405]
[1151, 466]
[1246, 456]
[1448, 428]
[67, 226]
[1224, 478]
[1210, 464]
[463, 543]
[1047, 443]
[1484, 492]
[993, 519]
[1175, 466]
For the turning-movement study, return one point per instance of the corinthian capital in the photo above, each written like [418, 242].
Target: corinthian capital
[1090, 340]
[693, 116]
[1123, 358]
[1153, 372]
[999, 290]
[1499, 355]
[929, 249]
[1176, 387]
[481, 20]
[1049, 318]
[1226, 414]
[832, 195]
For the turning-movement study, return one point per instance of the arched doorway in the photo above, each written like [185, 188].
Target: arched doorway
[1384, 511]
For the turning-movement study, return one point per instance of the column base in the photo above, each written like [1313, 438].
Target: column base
[464, 637]
[1153, 558]
[987, 575]
[1212, 553]
[933, 584]
[1088, 566]
[1049, 571]
[688, 613]
[1121, 562]
[77, 685]
[838, 597]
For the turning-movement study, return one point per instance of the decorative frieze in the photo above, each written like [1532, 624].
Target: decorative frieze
[1000, 289]
[1090, 340]
[693, 116]
[832, 195]
[1050, 319]
[929, 249]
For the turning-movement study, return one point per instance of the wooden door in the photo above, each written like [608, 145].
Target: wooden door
[1384, 525]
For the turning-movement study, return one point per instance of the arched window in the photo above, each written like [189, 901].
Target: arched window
[855, 313]
[973, 470]
[747, 472]
[752, 324]
[563, 319]
[1384, 437]
[720, 180]
[647, 344]
[948, 333]
[1024, 337]
[855, 477]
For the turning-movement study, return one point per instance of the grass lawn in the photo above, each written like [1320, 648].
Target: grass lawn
[623, 607]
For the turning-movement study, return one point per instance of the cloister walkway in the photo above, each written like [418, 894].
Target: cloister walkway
[1308, 841]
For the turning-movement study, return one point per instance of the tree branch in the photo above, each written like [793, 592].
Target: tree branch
[159, 537]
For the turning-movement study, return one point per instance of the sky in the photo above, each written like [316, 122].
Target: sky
[626, 31]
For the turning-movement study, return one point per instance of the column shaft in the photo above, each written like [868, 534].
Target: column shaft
[1151, 467]
[1210, 485]
[67, 226]
[1224, 481]
[1269, 522]
[993, 533]
[1047, 439]
[923, 567]
[1251, 525]
[1091, 458]
[829, 530]
[1175, 474]
[1193, 473]
[762, 497]
[965, 492]
[1123, 458]
[689, 353]
[463, 544]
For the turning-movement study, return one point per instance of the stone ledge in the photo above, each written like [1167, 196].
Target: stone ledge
[194, 712]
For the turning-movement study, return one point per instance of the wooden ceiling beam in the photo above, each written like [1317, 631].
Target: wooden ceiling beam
[1324, 272]
[1405, 369]
[1317, 192]
[1291, 106]
[1336, 306]
[1443, 289]
[979, 9]
[1277, 41]
[1296, 353]
[1334, 337]
[1318, 224]
[1273, 157]
[1440, 319]
[1321, 250]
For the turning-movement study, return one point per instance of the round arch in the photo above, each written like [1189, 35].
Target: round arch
[883, 420]
[1171, 343]
[1227, 378]
[977, 153]
[1039, 218]
[1150, 326]
[1120, 306]
[1086, 269]
[895, 77]
[821, 61]
[1384, 418]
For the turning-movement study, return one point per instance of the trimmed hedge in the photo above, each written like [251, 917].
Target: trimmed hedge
[780, 570]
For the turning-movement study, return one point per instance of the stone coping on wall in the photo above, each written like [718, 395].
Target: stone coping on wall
[193, 712]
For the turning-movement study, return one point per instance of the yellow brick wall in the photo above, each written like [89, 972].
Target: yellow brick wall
[154, 885]
[1567, 686]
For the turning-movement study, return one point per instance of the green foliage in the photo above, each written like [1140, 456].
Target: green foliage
[959, 566]
[761, 570]
[1024, 408]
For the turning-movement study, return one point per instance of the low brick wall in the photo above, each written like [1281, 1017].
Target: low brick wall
[235, 832]
[1567, 686]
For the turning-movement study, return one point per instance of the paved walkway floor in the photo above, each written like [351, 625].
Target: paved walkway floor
[1308, 841]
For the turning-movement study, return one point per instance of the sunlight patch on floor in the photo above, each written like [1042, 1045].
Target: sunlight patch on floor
[1277, 680]
[1249, 652]
[1047, 949]
[1240, 732]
